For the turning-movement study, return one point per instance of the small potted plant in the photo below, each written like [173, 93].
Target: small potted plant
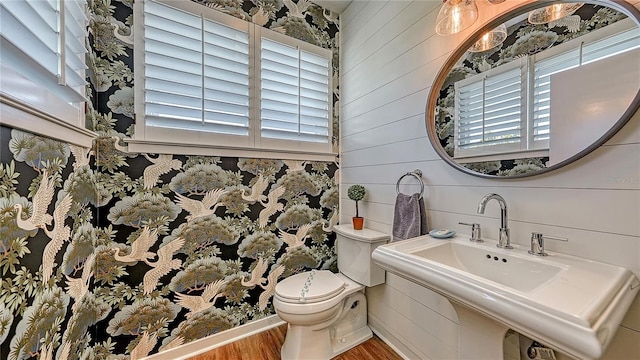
[356, 193]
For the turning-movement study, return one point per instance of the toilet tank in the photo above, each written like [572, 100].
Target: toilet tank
[354, 248]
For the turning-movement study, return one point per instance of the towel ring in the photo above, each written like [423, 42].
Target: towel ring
[415, 173]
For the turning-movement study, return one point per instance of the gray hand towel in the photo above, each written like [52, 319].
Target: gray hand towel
[409, 218]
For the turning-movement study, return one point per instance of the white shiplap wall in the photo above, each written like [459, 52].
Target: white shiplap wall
[390, 56]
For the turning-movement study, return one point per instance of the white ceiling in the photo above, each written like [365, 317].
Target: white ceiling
[333, 5]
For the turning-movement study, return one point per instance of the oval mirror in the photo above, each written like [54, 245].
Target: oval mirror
[533, 91]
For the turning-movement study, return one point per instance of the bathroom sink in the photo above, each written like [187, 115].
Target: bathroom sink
[572, 304]
[492, 266]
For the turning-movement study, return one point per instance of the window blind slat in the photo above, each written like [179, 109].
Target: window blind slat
[225, 88]
[160, 64]
[313, 103]
[171, 44]
[314, 59]
[316, 86]
[280, 68]
[232, 57]
[278, 87]
[311, 76]
[224, 96]
[75, 62]
[162, 73]
[313, 70]
[219, 31]
[214, 106]
[173, 99]
[275, 47]
[612, 45]
[171, 87]
[273, 114]
[175, 111]
[46, 10]
[236, 120]
[78, 10]
[76, 78]
[217, 64]
[76, 45]
[232, 42]
[75, 28]
[169, 15]
[314, 121]
[214, 74]
[294, 135]
[273, 77]
[195, 125]
[324, 113]
[279, 106]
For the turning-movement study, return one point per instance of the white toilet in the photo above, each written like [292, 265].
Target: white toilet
[327, 312]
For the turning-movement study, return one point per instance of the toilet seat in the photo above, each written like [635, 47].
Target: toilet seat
[310, 287]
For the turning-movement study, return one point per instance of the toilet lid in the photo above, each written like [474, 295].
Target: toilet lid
[310, 286]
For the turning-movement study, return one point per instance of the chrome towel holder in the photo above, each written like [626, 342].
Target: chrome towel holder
[417, 173]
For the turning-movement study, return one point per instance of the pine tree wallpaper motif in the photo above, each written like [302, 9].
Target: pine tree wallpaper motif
[115, 255]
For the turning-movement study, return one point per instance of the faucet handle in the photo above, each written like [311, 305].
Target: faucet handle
[537, 243]
[475, 232]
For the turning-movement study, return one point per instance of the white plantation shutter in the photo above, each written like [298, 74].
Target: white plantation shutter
[45, 41]
[295, 96]
[543, 69]
[581, 54]
[196, 72]
[489, 111]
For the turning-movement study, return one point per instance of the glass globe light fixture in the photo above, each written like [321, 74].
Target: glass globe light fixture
[553, 12]
[455, 16]
[490, 39]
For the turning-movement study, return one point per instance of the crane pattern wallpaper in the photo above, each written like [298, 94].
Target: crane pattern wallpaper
[107, 254]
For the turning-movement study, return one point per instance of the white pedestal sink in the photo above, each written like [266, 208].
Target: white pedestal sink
[572, 304]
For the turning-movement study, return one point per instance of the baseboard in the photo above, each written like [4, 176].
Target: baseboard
[389, 339]
[211, 342]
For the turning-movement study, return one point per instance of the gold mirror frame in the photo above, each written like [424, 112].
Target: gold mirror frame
[460, 51]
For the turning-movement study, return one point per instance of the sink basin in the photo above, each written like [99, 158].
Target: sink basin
[489, 265]
[572, 304]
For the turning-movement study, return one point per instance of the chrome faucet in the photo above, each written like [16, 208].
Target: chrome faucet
[503, 241]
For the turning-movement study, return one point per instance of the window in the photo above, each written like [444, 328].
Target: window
[43, 63]
[489, 111]
[502, 111]
[294, 92]
[214, 81]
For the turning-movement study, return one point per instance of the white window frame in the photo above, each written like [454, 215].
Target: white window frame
[527, 147]
[27, 105]
[159, 140]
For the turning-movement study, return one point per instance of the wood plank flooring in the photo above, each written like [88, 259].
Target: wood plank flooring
[266, 346]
